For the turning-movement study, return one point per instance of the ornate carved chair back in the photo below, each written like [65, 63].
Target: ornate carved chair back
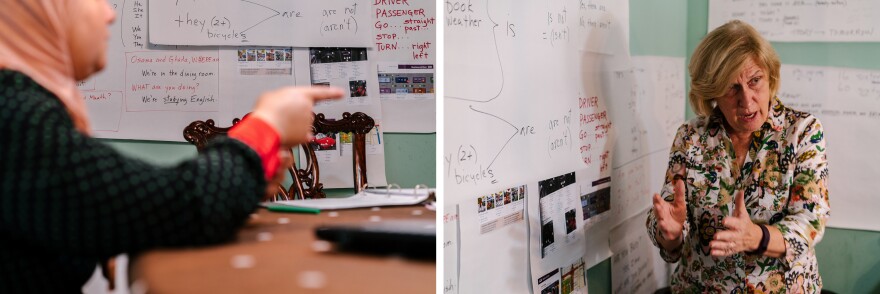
[199, 132]
[305, 183]
[359, 125]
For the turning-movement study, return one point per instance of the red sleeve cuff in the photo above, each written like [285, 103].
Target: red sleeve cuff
[261, 137]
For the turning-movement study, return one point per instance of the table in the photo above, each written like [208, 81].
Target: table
[291, 261]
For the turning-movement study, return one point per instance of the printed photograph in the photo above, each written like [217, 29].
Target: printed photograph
[551, 289]
[242, 55]
[270, 54]
[596, 203]
[324, 141]
[358, 88]
[570, 221]
[346, 137]
[547, 235]
[330, 55]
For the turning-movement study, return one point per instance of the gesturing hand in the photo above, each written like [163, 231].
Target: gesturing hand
[671, 216]
[289, 111]
[739, 233]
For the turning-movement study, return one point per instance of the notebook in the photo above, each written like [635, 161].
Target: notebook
[366, 198]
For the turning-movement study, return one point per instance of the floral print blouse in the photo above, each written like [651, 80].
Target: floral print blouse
[784, 177]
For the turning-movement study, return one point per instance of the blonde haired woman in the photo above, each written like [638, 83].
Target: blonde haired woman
[745, 198]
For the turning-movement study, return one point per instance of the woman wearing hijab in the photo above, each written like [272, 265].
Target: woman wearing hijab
[67, 200]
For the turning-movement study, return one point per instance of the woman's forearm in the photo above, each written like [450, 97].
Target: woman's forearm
[670, 245]
[776, 246]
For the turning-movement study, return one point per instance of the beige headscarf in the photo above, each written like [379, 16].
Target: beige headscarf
[34, 41]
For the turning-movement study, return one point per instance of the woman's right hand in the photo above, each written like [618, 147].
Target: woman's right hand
[671, 216]
[289, 111]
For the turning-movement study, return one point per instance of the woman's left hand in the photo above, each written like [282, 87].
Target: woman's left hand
[741, 234]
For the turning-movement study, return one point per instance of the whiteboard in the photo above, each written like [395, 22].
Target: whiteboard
[152, 92]
[329, 23]
[535, 91]
[127, 100]
[845, 101]
[405, 46]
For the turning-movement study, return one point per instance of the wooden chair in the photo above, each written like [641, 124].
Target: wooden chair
[306, 179]
[305, 184]
[200, 132]
[359, 124]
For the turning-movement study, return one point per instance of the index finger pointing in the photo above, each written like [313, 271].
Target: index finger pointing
[323, 93]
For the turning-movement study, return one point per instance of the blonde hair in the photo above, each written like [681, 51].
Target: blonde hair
[719, 57]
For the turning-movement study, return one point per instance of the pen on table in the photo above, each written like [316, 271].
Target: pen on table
[294, 209]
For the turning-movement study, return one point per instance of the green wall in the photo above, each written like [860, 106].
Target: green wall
[410, 159]
[848, 259]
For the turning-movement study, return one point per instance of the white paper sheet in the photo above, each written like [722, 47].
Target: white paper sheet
[569, 279]
[265, 61]
[557, 244]
[636, 266]
[348, 70]
[330, 23]
[595, 200]
[353, 77]
[406, 81]
[807, 20]
[183, 81]
[451, 247]
[494, 262]
[336, 162]
[367, 198]
[407, 39]
[501, 208]
[847, 101]
[654, 108]
[405, 30]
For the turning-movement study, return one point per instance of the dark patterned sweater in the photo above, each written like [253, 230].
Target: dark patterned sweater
[68, 200]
